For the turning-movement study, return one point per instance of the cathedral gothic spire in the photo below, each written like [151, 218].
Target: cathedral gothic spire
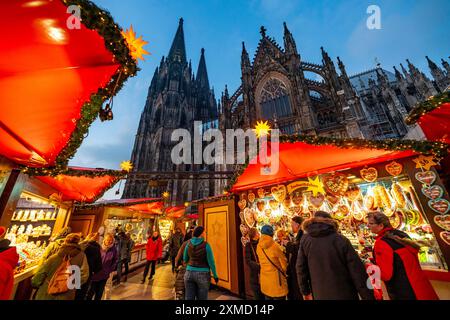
[289, 43]
[178, 49]
[202, 73]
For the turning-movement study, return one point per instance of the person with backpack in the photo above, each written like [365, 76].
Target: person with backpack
[92, 250]
[52, 277]
[55, 244]
[292, 247]
[180, 268]
[110, 258]
[199, 258]
[252, 261]
[154, 253]
[8, 262]
[175, 242]
[273, 263]
[397, 257]
[328, 267]
[124, 246]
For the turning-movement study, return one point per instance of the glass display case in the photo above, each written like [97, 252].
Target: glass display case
[136, 227]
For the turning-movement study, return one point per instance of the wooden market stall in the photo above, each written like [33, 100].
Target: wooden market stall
[347, 178]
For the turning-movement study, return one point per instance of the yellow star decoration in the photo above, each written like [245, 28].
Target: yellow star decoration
[423, 162]
[166, 194]
[126, 166]
[262, 129]
[316, 186]
[136, 45]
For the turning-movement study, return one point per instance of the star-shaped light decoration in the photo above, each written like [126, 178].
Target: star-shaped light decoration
[166, 194]
[423, 162]
[126, 166]
[262, 129]
[316, 186]
[136, 45]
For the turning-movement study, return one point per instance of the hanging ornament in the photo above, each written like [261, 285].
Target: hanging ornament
[445, 236]
[262, 129]
[369, 174]
[425, 163]
[316, 186]
[336, 184]
[394, 168]
[279, 192]
[251, 197]
[126, 166]
[136, 45]
[441, 206]
[261, 193]
[353, 193]
[442, 221]
[426, 177]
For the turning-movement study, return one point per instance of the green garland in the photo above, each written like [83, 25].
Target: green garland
[78, 173]
[114, 204]
[427, 106]
[215, 198]
[437, 149]
[101, 21]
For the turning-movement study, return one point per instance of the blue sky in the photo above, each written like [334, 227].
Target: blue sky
[410, 29]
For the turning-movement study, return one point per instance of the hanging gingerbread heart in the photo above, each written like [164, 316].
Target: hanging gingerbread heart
[274, 204]
[426, 177]
[287, 202]
[332, 199]
[353, 193]
[243, 196]
[445, 236]
[251, 197]
[261, 193]
[297, 199]
[242, 204]
[336, 184]
[249, 217]
[432, 192]
[260, 205]
[369, 174]
[394, 168]
[317, 201]
[279, 192]
[268, 212]
[441, 206]
[244, 229]
[442, 221]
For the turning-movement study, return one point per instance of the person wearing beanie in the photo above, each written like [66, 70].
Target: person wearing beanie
[8, 262]
[273, 264]
[199, 258]
[291, 253]
[69, 249]
[328, 267]
[92, 250]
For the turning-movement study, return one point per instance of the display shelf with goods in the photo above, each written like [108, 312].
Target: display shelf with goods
[31, 228]
[349, 195]
[136, 227]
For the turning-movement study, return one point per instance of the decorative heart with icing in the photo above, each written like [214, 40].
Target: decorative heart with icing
[443, 221]
[317, 201]
[261, 193]
[369, 174]
[297, 199]
[274, 204]
[441, 206]
[249, 217]
[427, 177]
[251, 197]
[260, 205]
[241, 215]
[244, 229]
[353, 193]
[445, 236]
[394, 168]
[336, 184]
[279, 192]
[242, 204]
[432, 192]
[287, 202]
[268, 212]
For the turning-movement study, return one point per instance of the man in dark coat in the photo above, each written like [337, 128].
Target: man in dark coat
[328, 268]
[175, 242]
[124, 247]
[252, 261]
[92, 250]
[291, 254]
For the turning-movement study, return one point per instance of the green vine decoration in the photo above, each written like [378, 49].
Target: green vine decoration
[427, 106]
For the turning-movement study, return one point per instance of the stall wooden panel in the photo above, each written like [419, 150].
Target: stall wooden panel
[83, 224]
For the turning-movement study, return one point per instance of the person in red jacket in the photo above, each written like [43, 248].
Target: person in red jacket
[8, 262]
[154, 253]
[397, 257]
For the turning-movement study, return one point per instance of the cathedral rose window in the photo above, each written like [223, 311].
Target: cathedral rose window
[275, 100]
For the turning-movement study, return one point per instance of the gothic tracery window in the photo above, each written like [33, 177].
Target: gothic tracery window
[275, 100]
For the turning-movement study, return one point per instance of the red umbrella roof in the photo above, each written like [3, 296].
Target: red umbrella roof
[47, 73]
[436, 124]
[175, 212]
[300, 159]
[83, 184]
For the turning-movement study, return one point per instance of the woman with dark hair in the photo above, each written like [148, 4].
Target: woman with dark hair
[291, 253]
[252, 261]
[396, 256]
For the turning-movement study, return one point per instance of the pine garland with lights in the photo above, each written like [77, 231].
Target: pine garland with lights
[224, 197]
[101, 21]
[92, 206]
[427, 106]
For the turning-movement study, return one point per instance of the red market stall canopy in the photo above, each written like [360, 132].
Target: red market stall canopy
[82, 184]
[433, 117]
[143, 205]
[175, 212]
[54, 78]
[301, 156]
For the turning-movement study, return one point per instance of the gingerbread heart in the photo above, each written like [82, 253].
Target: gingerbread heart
[241, 215]
[317, 201]
[369, 174]
[297, 199]
[441, 206]
[394, 168]
[427, 177]
[242, 204]
[336, 184]
[443, 221]
[268, 212]
[445, 236]
[261, 193]
[260, 205]
[244, 229]
[249, 217]
[287, 202]
[432, 192]
[274, 204]
[279, 192]
[251, 197]
[353, 193]
[332, 199]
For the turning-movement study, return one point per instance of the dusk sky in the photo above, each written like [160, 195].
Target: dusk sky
[409, 29]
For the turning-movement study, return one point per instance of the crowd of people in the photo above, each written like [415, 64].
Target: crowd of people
[318, 262]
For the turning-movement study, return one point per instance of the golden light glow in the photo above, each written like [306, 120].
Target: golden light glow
[136, 45]
[186, 204]
[126, 166]
[262, 129]
[423, 162]
[166, 194]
